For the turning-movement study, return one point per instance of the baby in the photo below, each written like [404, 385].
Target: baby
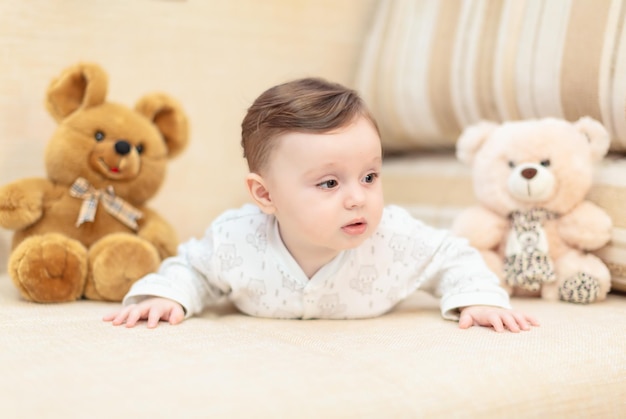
[318, 241]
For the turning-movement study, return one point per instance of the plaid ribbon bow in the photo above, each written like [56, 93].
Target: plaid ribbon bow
[114, 205]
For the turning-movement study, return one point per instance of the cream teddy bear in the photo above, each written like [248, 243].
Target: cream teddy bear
[533, 224]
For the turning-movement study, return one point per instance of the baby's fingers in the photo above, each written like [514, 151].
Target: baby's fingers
[136, 313]
[177, 315]
[154, 316]
[117, 317]
[109, 316]
[497, 322]
[466, 321]
[520, 321]
[531, 319]
[513, 323]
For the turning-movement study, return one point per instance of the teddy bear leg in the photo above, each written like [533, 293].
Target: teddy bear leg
[116, 262]
[582, 278]
[49, 268]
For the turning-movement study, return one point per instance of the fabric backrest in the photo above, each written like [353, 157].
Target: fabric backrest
[429, 67]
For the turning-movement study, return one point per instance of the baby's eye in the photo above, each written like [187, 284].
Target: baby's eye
[329, 184]
[370, 178]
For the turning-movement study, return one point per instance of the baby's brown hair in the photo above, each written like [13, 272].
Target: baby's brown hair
[312, 105]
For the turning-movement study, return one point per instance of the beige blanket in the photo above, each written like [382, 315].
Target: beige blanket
[63, 361]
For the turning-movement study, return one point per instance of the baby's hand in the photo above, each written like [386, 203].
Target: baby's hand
[152, 309]
[496, 317]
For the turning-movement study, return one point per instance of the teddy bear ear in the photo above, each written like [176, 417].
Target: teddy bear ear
[80, 86]
[472, 138]
[597, 135]
[170, 119]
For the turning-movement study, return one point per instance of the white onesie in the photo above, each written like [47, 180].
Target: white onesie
[242, 257]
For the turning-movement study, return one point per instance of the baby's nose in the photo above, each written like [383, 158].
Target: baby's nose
[355, 197]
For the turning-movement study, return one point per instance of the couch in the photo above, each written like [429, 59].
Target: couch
[426, 75]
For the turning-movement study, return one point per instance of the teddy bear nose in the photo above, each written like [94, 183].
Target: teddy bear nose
[529, 173]
[122, 147]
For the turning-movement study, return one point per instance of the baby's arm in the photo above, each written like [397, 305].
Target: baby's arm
[496, 317]
[152, 309]
[470, 292]
[181, 287]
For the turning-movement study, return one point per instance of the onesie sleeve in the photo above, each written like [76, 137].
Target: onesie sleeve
[187, 278]
[460, 277]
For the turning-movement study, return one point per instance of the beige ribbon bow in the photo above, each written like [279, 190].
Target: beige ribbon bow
[114, 205]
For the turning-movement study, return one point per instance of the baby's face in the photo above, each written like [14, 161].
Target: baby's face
[326, 188]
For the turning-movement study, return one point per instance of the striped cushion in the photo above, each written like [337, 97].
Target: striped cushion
[432, 67]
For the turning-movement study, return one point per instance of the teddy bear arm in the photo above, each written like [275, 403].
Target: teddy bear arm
[483, 228]
[22, 202]
[586, 227]
[159, 232]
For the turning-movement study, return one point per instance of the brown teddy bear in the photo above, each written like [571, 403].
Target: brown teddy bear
[84, 231]
[533, 224]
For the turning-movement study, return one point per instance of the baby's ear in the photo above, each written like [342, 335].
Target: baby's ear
[170, 119]
[259, 193]
[81, 86]
[597, 135]
[471, 139]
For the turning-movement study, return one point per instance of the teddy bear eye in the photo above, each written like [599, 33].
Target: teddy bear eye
[139, 148]
[99, 135]
[545, 163]
[511, 164]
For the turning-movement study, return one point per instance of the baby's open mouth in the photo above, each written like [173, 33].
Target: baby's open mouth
[356, 227]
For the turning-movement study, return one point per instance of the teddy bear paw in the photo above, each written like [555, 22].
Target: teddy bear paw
[580, 288]
[49, 268]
